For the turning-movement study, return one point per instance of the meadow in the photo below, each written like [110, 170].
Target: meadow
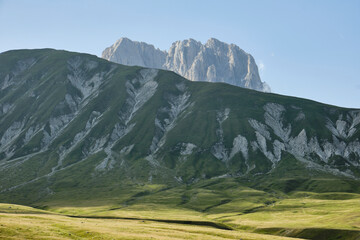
[215, 209]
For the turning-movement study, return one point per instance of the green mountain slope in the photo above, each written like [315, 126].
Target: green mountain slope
[72, 124]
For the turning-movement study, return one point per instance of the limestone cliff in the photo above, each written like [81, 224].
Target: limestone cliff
[132, 53]
[214, 61]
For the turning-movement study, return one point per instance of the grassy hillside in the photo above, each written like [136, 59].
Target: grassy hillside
[83, 136]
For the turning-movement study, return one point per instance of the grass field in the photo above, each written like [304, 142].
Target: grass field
[303, 215]
[19, 222]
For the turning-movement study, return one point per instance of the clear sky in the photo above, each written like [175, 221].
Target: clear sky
[304, 48]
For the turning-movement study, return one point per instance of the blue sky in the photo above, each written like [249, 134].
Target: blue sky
[305, 48]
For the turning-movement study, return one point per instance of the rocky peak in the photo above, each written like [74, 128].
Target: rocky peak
[133, 53]
[214, 61]
[215, 43]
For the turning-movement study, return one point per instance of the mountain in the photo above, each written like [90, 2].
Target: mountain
[214, 61]
[72, 123]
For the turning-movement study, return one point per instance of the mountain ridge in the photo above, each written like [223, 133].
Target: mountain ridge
[72, 120]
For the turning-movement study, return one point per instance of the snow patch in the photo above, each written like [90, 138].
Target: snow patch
[344, 129]
[273, 118]
[5, 108]
[98, 145]
[299, 144]
[218, 150]
[20, 67]
[139, 91]
[187, 149]
[78, 76]
[240, 144]
[56, 125]
[31, 132]
[177, 105]
[10, 135]
[261, 128]
[127, 149]
[80, 136]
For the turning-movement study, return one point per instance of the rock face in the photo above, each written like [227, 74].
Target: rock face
[214, 61]
[132, 53]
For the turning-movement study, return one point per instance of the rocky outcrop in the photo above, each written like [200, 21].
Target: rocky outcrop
[314, 152]
[132, 53]
[214, 61]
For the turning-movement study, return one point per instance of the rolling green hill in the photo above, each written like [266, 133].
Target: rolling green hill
[76, 126]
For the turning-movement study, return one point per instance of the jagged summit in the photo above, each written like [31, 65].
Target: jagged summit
[214, 61]
[132, 53]
[214, 42]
